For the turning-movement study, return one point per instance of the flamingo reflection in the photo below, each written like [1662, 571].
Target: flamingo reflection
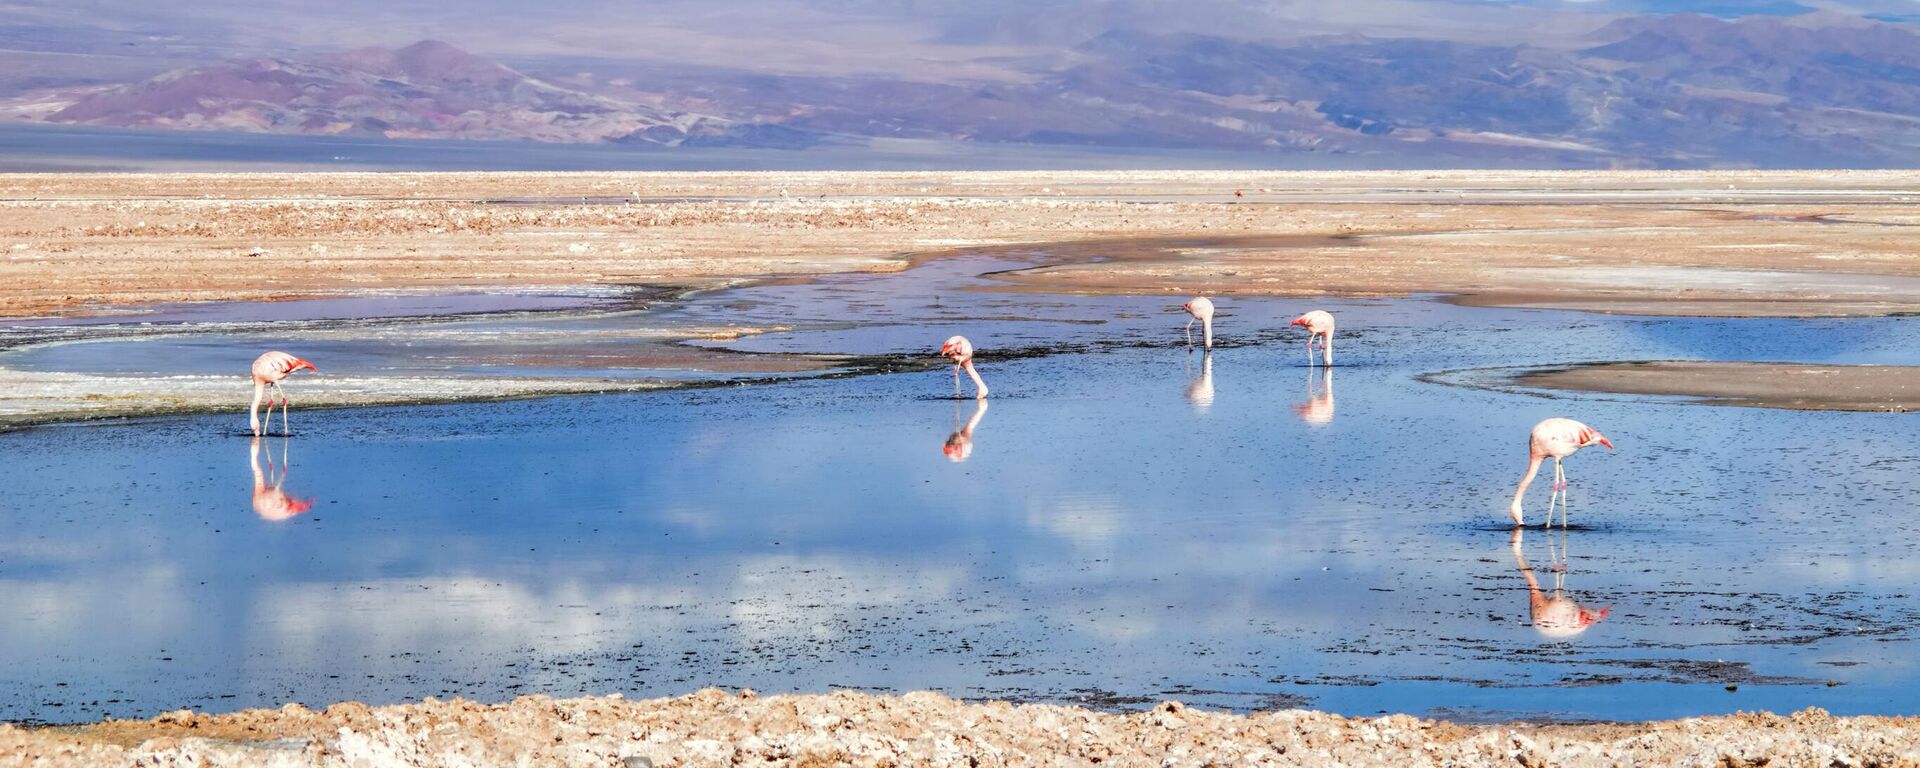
[1318, 409]
[1554, 615]
[1200, 390]
[959, 445]
[270, 500]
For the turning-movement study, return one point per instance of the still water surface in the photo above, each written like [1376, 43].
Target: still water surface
[1132, 521]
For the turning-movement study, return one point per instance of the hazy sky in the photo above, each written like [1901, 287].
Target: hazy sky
[960, 40]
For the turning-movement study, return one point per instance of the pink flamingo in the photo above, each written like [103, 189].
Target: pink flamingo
[270, 500]
[1202, 310]
[1558, 438]
[1319, 325]
[960, 351]
[268, 370]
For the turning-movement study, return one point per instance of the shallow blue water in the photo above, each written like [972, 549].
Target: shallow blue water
[1114, 536]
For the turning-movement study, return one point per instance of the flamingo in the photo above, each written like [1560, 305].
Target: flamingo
[959, 445]
[1201, 308]
[268, 370]
[960, 351]
[1555, 615]
[270, 500]
[1558, 438]
[1319, 325]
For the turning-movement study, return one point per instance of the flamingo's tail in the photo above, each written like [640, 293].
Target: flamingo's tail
[299, 364]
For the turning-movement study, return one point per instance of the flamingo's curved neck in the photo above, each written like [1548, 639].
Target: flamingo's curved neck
[1533, 467]
[253, 413]
[980, 387]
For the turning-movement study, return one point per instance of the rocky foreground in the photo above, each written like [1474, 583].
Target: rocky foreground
[714, 728]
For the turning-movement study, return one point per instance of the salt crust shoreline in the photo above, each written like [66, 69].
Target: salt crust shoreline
[721, 728]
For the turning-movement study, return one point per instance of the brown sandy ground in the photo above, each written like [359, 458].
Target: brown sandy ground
[714, 728]
[1766, 385]
[1716, 243]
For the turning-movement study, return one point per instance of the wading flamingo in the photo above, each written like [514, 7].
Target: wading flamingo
[1554, 615]
[1202, 310]
[268, 370]
[960, 351]
[1319, 327]
[1558, 438]
[959, 445]
[270, 500]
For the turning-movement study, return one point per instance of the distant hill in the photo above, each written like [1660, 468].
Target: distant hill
[426, 90]
[1769, 85]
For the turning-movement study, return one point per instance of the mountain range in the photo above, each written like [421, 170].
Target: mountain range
[426, 90]
[1785, 87]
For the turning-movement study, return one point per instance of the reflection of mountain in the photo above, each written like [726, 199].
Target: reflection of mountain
[425, 90]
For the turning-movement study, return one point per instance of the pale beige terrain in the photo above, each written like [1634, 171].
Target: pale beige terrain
[1767, 385]
[1714, 243]
[713, 728]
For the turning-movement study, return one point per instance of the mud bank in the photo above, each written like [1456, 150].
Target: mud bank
[46, 398]
[714, 728]
[1796, 386]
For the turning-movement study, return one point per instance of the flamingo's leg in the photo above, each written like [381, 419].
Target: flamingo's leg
[1553, 502]
[286, 429]
[1189, 332]
[1563, 499]
[1560, 494]
[1560, 484]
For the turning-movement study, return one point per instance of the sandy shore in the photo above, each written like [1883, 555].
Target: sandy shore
[1767, 385]
[715, 728]
[1714, 243]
